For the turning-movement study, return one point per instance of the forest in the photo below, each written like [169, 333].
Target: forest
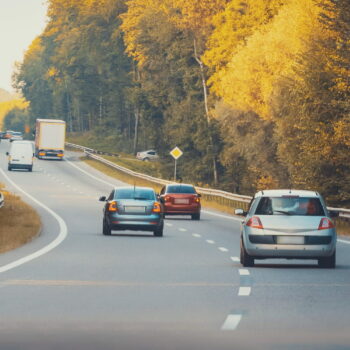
[254, 92]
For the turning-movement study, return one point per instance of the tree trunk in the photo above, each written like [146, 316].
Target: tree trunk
[136, 133]
[205, 93]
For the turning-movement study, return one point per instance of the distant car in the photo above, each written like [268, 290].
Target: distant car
[288, 224]
[16, 136]
[132, 208]
[8, 134]
[147, 155]
[2, 134]
[181, 199]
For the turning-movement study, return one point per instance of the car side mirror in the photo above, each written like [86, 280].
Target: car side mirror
[333, 214]
[240, 212]
[102, 199]
[199, 195]
[7, 153]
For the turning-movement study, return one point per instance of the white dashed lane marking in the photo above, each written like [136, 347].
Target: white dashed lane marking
[243, 272]
[210, 241]
[244, 291]
[235, 258]
[182, 229]
[197, 235]
[168, 224]
[231, 322]
[223, 249]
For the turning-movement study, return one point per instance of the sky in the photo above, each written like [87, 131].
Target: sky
[21, 21]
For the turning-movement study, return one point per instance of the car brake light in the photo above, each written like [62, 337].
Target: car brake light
[156, 208]
[197, 199]
[112, 206]
[167, 198]
[254, 222]
[325, 224]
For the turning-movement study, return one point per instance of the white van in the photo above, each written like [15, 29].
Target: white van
[21, 155]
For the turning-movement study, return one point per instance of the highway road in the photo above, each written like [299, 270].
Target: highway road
[73, 288]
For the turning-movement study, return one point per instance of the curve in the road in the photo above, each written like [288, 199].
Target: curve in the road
[57, 241]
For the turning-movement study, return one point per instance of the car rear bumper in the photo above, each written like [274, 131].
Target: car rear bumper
[137, 223]
[20, 166]
[180, 210]
[296, 251]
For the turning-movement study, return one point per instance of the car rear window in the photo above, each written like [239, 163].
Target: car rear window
[180, 189]
[290, 205]
[137, 193]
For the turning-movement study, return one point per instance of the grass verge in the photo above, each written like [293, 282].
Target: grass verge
[20, 223]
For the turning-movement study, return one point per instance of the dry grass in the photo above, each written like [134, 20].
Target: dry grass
[20, 223]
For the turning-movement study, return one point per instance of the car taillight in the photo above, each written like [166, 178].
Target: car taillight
[112, 206]
[197, 199]
[167, 198]
[156, 208]
[325, 224]
[254, 222]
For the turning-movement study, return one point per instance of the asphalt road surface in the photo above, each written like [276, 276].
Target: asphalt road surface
[73, 288]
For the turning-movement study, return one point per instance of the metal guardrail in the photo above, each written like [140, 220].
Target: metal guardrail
[91, 153]
[2, 200]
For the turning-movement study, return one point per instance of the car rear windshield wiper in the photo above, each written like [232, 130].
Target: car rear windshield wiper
[283, 212]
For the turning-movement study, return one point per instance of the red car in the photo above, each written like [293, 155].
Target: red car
[181, 199]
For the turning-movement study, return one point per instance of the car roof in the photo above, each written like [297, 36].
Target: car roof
[279, 193]
[132, 188]
[180, 184]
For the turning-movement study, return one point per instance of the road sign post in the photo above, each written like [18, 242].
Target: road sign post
[176, 153]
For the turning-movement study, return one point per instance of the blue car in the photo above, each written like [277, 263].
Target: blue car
[132, 208]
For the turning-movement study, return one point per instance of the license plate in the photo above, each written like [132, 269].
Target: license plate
[135, 209]
[181, 201]
[290, 240]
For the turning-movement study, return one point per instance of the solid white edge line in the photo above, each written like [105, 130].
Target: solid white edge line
[243, 272]
[221, 215]
[343, 241]
[231, 322]
[86, 173]
[244, 291]
[57, 241]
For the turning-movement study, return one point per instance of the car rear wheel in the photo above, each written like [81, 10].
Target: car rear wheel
[106, 229]
[146, 159]
[246, 259]
[158, 232]
[9, 168]
[196, 216]
[327, 262]
[30, 168]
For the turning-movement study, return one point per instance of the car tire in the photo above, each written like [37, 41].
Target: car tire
[246, 259]
[9, 168]
[158, 232]
[329, 262]
[196, 216]
[30, 168]
[146, 159]
[106, 230]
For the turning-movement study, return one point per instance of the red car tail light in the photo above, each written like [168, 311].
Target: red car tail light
[197, 199]
[167, 198]
[112, 206]
[156, 208]
[254, 222]
[325, 224]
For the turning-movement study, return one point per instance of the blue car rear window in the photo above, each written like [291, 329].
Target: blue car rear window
[137, 193]
[301, 206]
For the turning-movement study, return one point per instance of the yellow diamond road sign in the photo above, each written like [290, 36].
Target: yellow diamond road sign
[176, 153]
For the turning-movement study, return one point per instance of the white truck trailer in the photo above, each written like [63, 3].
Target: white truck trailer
[50, 137]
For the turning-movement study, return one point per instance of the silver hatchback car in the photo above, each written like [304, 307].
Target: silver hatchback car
[288, 224]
